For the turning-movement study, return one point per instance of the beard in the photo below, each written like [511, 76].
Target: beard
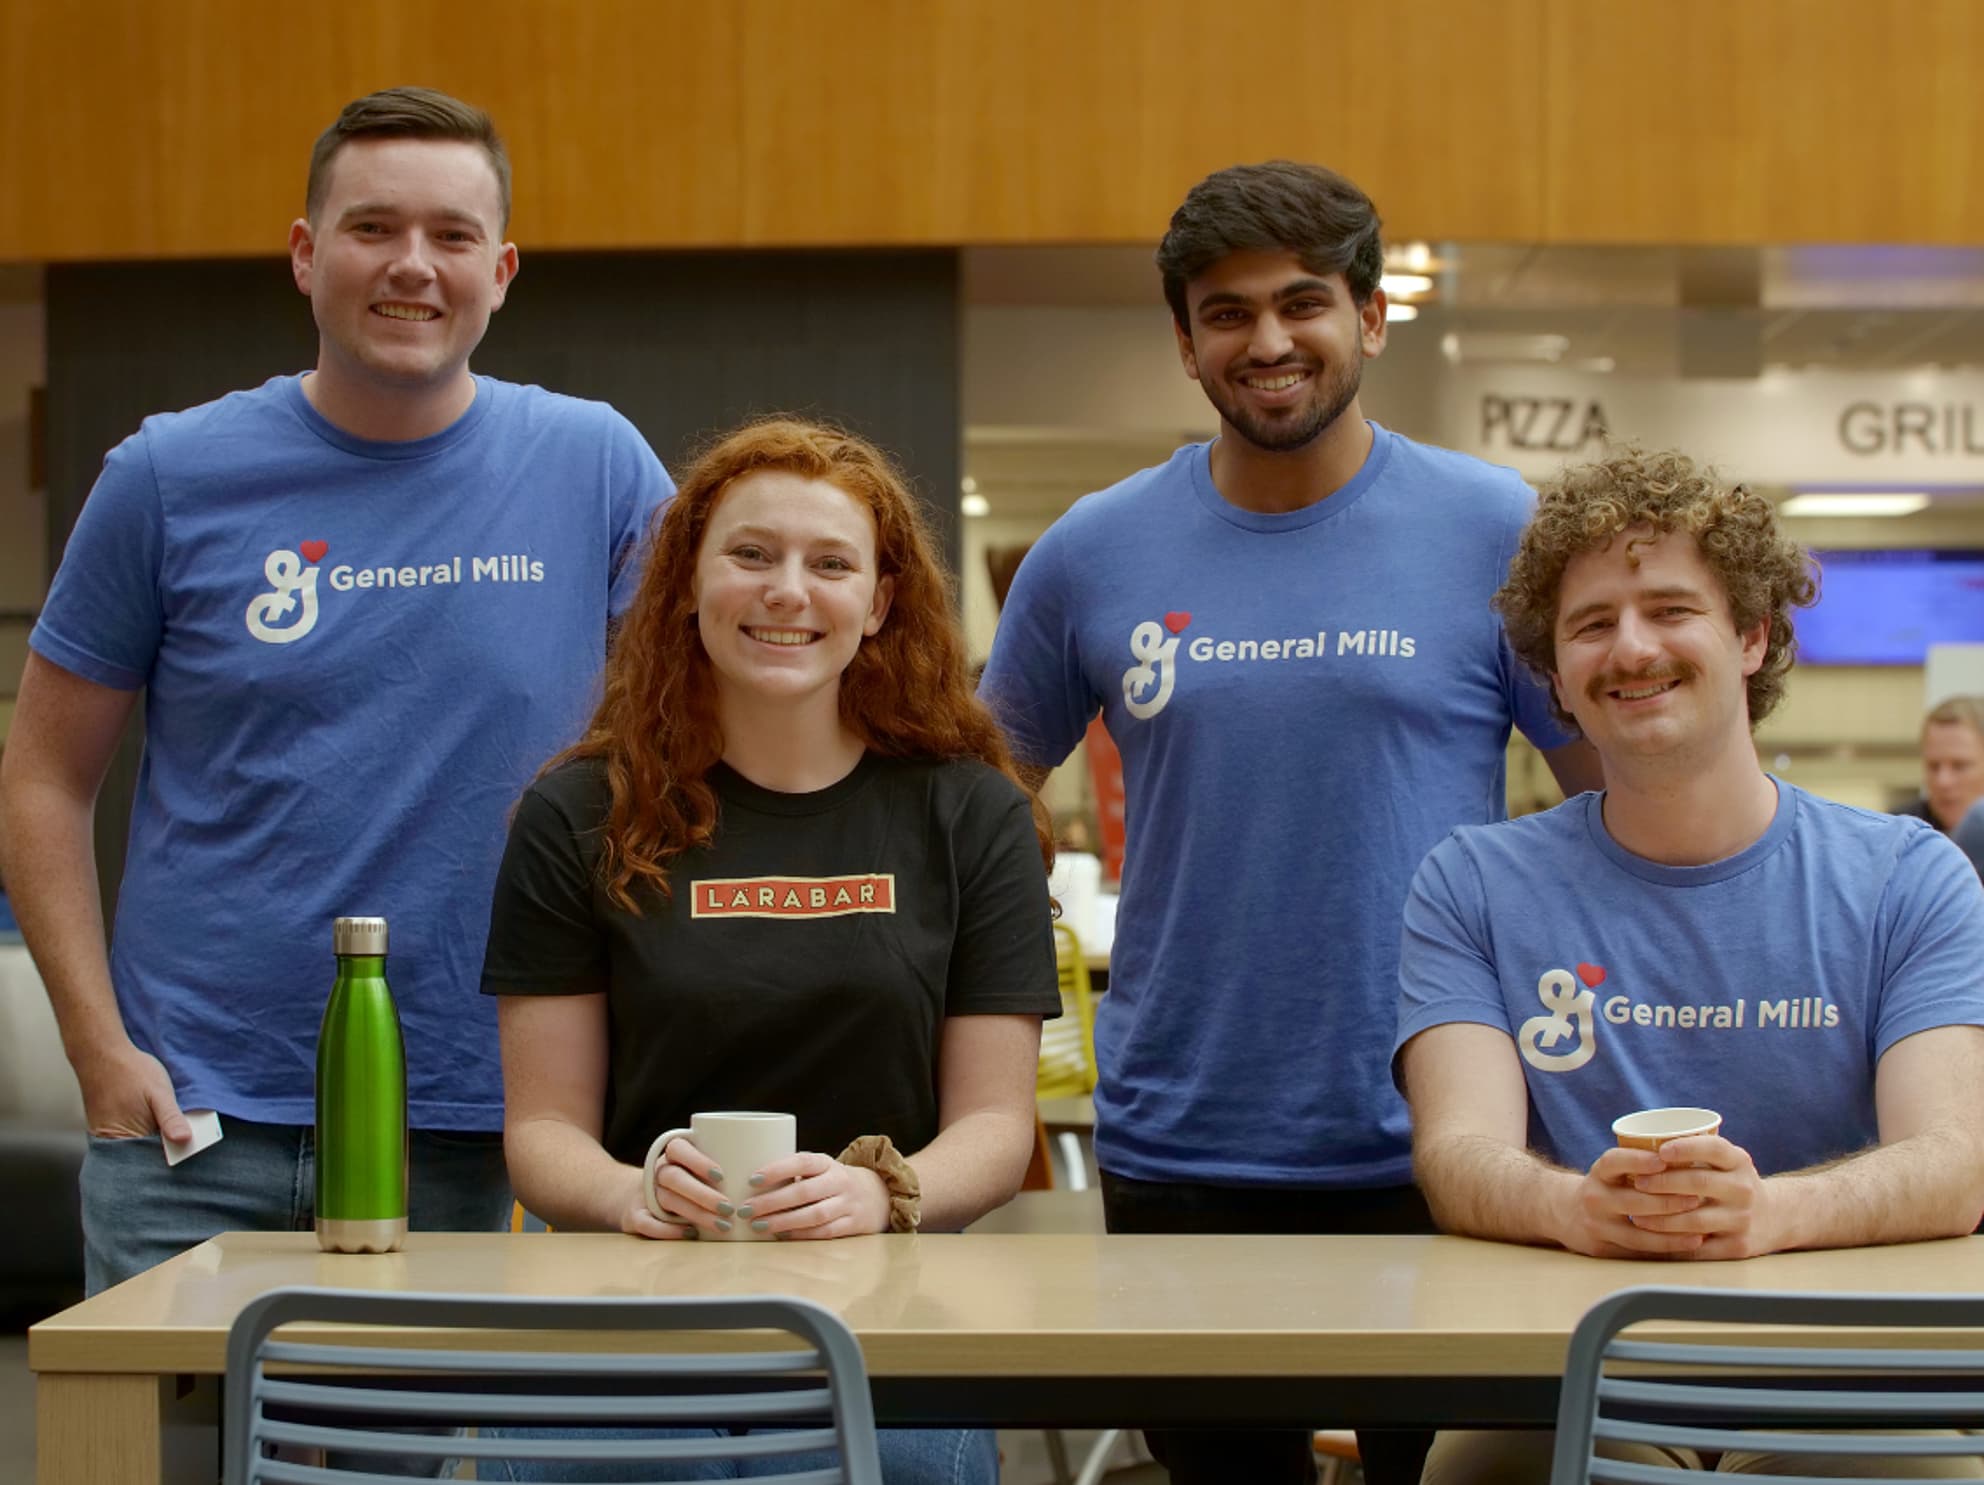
[1295, 427]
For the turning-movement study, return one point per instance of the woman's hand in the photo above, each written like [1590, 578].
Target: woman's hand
[692, 1207]
[810, 1195]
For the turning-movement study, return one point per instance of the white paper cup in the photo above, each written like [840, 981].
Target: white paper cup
[738, 1142]
[1649, 1129]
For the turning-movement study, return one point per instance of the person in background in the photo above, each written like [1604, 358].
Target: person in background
[1969, 836]
[788, 702]
[363, 605]
[1952, 762]
[1700, 934]
[1287, 634]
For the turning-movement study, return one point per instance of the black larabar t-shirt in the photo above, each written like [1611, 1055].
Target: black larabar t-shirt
[806, 960]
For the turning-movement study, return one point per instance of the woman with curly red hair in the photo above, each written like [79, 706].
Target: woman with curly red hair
[788, 866]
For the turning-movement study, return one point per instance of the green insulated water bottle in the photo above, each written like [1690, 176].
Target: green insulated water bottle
[361, 1100]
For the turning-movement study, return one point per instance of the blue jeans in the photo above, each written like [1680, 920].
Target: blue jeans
[910, 1456]
[138, 1211]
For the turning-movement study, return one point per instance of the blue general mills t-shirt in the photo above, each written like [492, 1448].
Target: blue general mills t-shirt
[355, 656]
[1305, 703]
[1766, 986]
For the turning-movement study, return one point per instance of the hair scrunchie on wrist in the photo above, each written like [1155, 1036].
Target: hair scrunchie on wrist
[877, 1152]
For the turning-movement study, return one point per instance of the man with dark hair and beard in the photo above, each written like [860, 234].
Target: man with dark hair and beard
[1288, 635]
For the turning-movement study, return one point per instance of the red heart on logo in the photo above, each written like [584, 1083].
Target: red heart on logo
[1176, 621]
[1592, 974]
[313, 551]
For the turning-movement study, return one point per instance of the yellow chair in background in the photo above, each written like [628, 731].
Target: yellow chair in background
[1066, 1075]
[1067, 1044]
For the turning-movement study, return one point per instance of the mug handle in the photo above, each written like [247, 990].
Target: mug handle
[647, 1172]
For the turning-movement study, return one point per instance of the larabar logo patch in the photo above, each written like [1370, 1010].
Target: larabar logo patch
[793, 897]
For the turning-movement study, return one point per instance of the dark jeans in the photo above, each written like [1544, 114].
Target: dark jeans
[1270, 1456]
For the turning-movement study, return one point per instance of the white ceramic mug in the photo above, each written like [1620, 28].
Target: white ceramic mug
[738, 1143]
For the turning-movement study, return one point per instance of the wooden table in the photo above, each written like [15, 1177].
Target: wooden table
[1057, 1329]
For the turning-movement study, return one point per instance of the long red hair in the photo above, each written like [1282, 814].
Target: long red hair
[906, 694]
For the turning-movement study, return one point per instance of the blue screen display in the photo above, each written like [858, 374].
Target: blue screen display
[1888, 607]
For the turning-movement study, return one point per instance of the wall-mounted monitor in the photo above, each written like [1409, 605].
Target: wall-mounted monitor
[1888, 607]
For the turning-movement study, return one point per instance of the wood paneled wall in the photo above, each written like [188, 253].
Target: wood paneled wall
[130, 128]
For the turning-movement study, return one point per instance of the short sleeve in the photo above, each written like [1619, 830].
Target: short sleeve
[1034, 681]
[1932, 922]
[640, 488]
[1002, 957]
[1527, 693]
[104, 618]
[1446, 970]
[544, 937]
[1530, 705]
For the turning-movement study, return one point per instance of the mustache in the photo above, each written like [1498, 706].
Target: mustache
[1618, 681]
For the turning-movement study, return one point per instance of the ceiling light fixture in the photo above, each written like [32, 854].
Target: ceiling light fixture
[975, 504]
[1398, 314]
[1395, 284]
[1853, 503]
[1485, 347]
[1413, 257]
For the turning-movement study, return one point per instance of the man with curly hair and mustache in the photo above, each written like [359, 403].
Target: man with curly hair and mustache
[1700, 933]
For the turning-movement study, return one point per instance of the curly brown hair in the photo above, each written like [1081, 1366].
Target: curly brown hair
[906, 694]
[1763, 572]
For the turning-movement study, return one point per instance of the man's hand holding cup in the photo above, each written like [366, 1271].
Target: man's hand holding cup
[1615, 1213]
[1730, 1200]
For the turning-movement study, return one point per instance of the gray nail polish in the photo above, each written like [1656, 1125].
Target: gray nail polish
[758, 1180]
[721, 1225]
[724, 1209]
[761, 1225]
[745, 1210]
[714, 1175]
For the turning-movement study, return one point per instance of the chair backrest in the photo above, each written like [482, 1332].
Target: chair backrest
[351, 1393]
[1067, 1044]
[1793, 1396]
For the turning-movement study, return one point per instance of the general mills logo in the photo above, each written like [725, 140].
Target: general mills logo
[293, 591]
[1567, 1018]
[1157, 665]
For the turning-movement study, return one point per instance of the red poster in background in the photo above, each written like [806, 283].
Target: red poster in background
[1105, 769]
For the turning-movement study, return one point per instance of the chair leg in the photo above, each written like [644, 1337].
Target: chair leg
[1072, 1158]
[1057, 1456]
[1097, 1464]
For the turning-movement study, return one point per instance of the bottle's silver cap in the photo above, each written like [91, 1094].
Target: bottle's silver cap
[359, 936]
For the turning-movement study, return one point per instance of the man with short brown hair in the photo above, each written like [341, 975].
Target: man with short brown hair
[363, 603]
[1952, 761]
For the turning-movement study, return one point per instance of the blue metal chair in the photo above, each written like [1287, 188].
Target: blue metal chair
[1805, 1397]
[336, 1402]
